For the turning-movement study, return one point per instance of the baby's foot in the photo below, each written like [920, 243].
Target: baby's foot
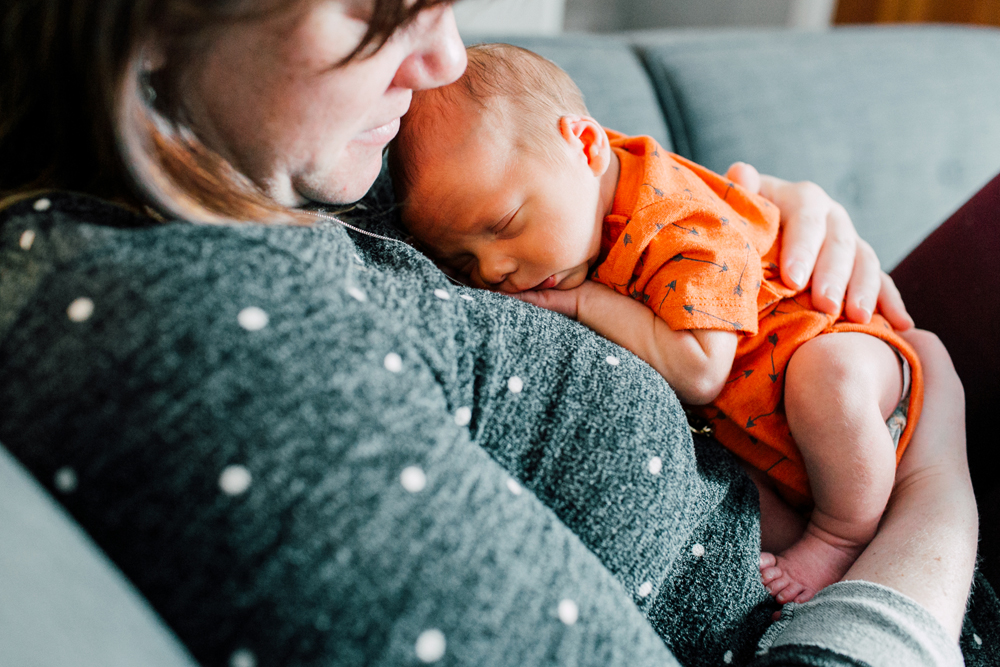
[808, 566]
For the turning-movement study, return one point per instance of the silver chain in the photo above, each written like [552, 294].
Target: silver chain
[320, 214]
[325, 216]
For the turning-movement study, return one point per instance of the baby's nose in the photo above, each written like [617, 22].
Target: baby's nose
[495, 271]
[492, 278]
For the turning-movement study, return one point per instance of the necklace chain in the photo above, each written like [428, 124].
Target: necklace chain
[331, 218]
[325, 216]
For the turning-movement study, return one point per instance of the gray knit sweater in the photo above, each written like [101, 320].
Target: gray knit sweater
[306, 447]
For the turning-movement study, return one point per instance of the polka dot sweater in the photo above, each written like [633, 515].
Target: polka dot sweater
[304, 446]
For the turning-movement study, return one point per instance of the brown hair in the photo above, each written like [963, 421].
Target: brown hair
[533, 93]
[75, 114]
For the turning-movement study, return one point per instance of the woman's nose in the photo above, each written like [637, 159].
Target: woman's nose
[438, 54]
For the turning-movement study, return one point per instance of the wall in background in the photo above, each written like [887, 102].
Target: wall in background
[640, 14]
[510, 17]
[546, 17]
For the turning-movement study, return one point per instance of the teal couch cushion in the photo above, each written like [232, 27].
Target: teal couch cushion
[63, 602]
[899, 125]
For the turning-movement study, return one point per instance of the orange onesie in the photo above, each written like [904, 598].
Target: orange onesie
[702, 253]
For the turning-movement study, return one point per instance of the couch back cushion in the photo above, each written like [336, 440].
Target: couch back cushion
[63, 602]
[901, 125]
[615, 86]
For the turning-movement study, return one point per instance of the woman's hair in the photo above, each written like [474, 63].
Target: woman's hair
[78, 111]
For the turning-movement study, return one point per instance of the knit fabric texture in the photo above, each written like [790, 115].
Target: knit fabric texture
[305, 446]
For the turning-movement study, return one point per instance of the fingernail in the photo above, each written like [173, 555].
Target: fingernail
[865, 306]
[797, 274]
[833, 294]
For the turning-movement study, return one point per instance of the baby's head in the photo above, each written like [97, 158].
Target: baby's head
[504, 177]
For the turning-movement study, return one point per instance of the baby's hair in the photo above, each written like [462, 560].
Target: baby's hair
[527, 92]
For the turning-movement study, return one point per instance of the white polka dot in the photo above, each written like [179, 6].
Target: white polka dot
[65, 480]
[568, 612]
[413, 479]
[442, 294]
[515, 384]
[253, 318]
[513, 487]
[463, 416]
[466, 297]
[234, 480]
[43, 204]
[27, 239]
[655, 465]
[357, 294]
[393, 362]
[430, 645]
[645, 589]
[612, 360]
[976, 638]
[727, 657]
[242, 658]
[697, 551]
[80, 310]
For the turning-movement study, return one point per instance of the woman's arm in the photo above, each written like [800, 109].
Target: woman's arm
[903, 601]
[820, 241]
[926, 545]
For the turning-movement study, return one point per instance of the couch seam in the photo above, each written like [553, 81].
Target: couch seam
[670, 107]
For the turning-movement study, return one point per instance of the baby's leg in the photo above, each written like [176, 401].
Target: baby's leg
[839, 390]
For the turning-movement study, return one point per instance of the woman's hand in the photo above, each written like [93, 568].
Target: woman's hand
[820, 240]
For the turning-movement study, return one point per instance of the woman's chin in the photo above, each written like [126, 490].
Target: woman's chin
[353, 182]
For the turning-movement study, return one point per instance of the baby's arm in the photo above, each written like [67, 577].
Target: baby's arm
[696, 363]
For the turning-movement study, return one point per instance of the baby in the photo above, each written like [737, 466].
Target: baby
[510, 184]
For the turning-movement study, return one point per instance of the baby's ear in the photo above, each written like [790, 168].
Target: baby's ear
[584, 134]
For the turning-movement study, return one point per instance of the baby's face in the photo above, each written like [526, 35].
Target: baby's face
[502, 218]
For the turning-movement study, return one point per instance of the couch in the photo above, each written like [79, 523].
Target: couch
[901, 125]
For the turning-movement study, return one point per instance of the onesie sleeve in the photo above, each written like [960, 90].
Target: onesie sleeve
[691, 249]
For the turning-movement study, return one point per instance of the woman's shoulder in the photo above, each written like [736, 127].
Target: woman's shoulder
[69, 237]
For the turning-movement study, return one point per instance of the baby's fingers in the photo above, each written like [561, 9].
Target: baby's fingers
[559, 301]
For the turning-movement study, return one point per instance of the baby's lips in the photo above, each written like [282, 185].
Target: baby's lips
[548, 283]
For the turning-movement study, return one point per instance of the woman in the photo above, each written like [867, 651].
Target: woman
[304, 446]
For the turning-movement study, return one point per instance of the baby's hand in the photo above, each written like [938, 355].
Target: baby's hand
[566, 302]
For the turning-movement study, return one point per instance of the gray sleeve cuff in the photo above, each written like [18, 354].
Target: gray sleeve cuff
[867, 623]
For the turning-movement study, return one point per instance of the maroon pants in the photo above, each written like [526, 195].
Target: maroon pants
[951, 286]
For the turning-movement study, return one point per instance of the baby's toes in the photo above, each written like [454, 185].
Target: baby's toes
[770, 574]
[769, 570]
[777, 585]
[790, 592]
[806, 595]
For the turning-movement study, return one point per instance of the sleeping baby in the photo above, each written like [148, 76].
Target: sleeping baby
[508, 182]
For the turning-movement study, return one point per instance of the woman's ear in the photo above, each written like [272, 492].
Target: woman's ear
[153, 55]
[586, 136]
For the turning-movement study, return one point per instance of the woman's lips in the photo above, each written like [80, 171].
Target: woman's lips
[380, 135]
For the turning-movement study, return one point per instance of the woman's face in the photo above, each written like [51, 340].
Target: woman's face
[268, 95]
